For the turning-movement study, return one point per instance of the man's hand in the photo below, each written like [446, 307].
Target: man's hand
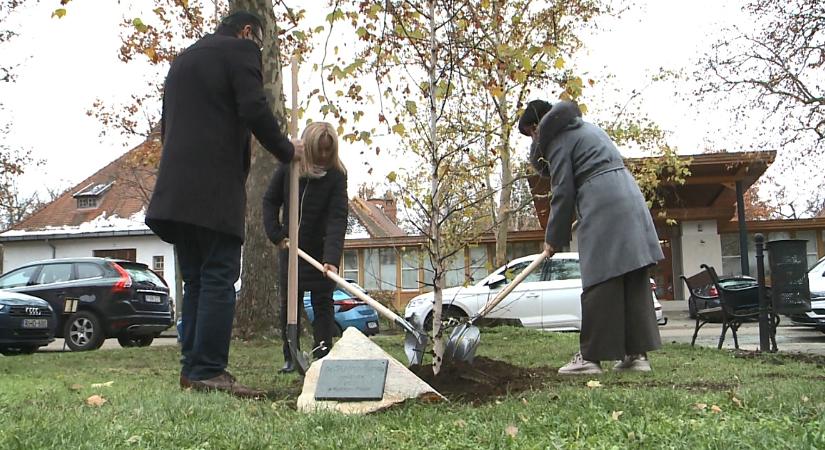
[331, 268]
[549, 250]
[284, 244]
[299, 149]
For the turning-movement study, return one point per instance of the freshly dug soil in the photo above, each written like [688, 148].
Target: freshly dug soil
[483, 381]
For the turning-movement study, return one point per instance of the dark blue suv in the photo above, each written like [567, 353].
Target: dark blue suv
[26, 323]
[97, 298]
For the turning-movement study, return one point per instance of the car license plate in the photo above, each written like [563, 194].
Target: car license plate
[152, 298]
[35, 323]
[372, 325]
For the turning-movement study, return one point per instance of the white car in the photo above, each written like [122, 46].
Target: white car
[548, 299]
[816, 316]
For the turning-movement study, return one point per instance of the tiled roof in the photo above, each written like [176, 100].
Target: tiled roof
[378, 225]
[133, 177]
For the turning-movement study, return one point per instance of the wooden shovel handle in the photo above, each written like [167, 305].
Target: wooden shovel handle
[292, 274]
[519, 278]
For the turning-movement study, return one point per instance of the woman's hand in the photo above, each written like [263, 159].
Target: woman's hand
[284, 244]
[549, 250]
[331, 268]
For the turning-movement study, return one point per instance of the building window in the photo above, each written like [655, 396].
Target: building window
[455, 275]
[351, 265]
[410, 267]
[157, 264]
[127, 254]
[379, 269]
[479, 263]
[87, 202]
[519, 249]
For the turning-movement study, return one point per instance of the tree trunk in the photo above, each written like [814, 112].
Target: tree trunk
[257, 308]
[505, 196]
[436, 205]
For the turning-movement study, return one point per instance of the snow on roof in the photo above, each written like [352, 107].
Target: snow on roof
[101, 223]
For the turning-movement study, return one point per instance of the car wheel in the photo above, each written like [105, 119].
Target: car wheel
[692, 307]
[135, 341]
[83, 332]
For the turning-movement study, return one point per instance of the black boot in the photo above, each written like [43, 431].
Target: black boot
[288, 367]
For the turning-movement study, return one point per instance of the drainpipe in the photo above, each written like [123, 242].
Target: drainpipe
[54, 249]
[743, 229]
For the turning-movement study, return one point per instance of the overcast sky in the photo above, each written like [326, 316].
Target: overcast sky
[66, 64]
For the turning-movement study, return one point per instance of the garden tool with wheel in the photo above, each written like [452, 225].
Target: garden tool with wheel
[464, 339]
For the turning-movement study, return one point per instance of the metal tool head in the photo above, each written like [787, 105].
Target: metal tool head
[300, 358]
[415, 344]
[463, 342]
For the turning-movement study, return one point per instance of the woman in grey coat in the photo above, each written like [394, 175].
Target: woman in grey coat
[617, 240]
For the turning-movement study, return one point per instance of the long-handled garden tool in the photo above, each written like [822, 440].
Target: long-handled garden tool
[464, 339]
[415, 342]
[298, 357]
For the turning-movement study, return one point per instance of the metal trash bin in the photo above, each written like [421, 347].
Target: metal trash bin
[790, 292]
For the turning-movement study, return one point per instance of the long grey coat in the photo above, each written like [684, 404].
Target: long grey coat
[616, 234]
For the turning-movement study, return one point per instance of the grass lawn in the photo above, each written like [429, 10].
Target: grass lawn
[695, 398]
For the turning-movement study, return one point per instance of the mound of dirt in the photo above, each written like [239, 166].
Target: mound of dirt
[483, 381]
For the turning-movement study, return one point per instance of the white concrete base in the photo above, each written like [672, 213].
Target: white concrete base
[401, 384]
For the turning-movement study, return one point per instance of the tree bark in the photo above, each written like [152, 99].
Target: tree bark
[257, 308]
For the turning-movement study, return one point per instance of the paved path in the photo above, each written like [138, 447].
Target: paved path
[789, 338]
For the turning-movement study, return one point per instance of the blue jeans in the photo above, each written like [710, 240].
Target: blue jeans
[210, 263]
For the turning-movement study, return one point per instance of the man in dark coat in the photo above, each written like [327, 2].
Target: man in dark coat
[213, 97]
[616, 236]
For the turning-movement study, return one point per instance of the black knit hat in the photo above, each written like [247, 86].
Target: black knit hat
[532, 115]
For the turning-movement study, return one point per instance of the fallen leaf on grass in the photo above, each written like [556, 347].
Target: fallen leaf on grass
[75, 387]
[460, 423]
[700, 406]
[616, 414]
[511, 431]
[524, 400]
[133, 439]
[523, 418]
[594, 384]
[715, 409]
[95, 400]
[100, 385]
[736, 401]
[805, 399]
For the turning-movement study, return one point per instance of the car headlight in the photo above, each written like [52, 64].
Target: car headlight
[2, 306]
[416, 302]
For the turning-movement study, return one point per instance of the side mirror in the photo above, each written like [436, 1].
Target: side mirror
[496, 280]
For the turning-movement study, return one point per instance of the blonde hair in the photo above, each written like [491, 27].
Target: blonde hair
[312, 136]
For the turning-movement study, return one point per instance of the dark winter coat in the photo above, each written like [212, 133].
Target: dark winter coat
[212, 99]
[322, 217]
[589, 180]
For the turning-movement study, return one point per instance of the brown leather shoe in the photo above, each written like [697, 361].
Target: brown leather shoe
[225, 382]
[185, 383]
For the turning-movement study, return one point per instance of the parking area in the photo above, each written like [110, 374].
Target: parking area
[789, 338]
[58, 344]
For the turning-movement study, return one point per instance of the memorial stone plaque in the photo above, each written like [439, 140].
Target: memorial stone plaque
[351, 379]
[790, 292]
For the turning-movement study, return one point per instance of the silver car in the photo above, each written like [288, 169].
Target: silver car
[548, 299]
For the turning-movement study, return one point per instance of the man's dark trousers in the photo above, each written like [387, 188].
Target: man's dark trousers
[210, 263]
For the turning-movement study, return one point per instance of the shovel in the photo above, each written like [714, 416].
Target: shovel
[415, 342]
[464, 339]
[298, 357]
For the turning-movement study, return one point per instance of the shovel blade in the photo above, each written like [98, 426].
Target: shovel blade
[414, 346]
[298, 357]
[463, 343]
